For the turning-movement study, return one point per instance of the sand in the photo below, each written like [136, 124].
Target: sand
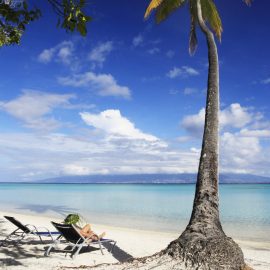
[130, 243]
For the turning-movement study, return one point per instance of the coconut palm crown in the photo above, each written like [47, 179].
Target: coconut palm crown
[210, 15]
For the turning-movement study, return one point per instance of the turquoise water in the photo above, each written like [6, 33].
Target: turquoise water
[244, 209]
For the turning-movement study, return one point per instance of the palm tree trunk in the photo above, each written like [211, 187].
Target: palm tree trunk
[203, 242]
[205, 214]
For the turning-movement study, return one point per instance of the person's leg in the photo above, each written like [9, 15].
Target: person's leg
[88, 233]
[86, 228]
[96, 237]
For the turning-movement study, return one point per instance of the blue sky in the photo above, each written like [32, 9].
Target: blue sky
[129, 98]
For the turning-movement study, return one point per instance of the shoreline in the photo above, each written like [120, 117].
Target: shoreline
[230, 229]
[130, 242]
[131, 183]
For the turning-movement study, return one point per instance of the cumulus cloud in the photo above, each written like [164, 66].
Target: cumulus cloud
[102, 84]
[263, 133]
[99, 54]
[184, 71]
[242, 130]
[92, 153]
[62, 52]
[234, 116]
[113, 123]
[34, 108]
[239, 153]
[115, 145]
[46, 55]
[193, 124]
[137, 41]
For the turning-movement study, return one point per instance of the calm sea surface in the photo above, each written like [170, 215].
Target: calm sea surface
[245, 209]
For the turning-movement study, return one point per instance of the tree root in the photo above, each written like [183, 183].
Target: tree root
[197, 253]
[215, 253]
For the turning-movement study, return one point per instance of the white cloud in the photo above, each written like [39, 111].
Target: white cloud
[65, 54]
[153, 50]
[113, 123]
[193, 124]
[100, 53]
[74, 169]
[115, 145]
[266, 81]
[190, 91]
[137, 41]
[239, 152]
[183, 139]
[46, 55]
[184, 71]
[264, 133]
[93, 153]
[234, 116]
[62, 52]
[103, 84]
[34, 108]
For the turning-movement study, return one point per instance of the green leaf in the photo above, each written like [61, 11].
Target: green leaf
[166, 8]
[210, 14]
[153, 5]
[82, 29]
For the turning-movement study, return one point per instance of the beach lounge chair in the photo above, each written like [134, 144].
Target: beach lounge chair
[74, 239]
[25, 230]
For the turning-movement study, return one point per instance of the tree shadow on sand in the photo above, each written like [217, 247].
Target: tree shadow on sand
[3, 231]
[13, 253]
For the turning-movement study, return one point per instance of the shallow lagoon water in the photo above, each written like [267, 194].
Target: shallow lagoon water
[244, 208]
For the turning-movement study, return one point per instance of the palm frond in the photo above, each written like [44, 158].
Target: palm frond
[210, 14]
[153, 5]
[193, 42]
[248, 2]
[166, 8]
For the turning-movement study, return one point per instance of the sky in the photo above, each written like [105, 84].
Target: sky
[128, 98]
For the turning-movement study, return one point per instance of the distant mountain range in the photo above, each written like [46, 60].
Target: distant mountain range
[184, 178]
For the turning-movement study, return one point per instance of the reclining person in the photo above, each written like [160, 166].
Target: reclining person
[86, 231]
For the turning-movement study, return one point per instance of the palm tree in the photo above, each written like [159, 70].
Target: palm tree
[204, 242]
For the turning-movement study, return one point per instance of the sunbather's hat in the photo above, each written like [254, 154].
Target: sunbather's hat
[72, 219]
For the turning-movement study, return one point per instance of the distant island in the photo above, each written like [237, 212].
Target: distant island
[184, 178]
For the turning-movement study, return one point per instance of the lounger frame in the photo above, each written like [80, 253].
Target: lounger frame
[22, 231]
[73, 237]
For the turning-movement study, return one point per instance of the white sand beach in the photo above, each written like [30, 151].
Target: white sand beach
[130, 243]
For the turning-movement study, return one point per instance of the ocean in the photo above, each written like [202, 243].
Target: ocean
[244, 208]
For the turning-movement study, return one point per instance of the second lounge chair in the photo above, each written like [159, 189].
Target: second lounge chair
[23, 230]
